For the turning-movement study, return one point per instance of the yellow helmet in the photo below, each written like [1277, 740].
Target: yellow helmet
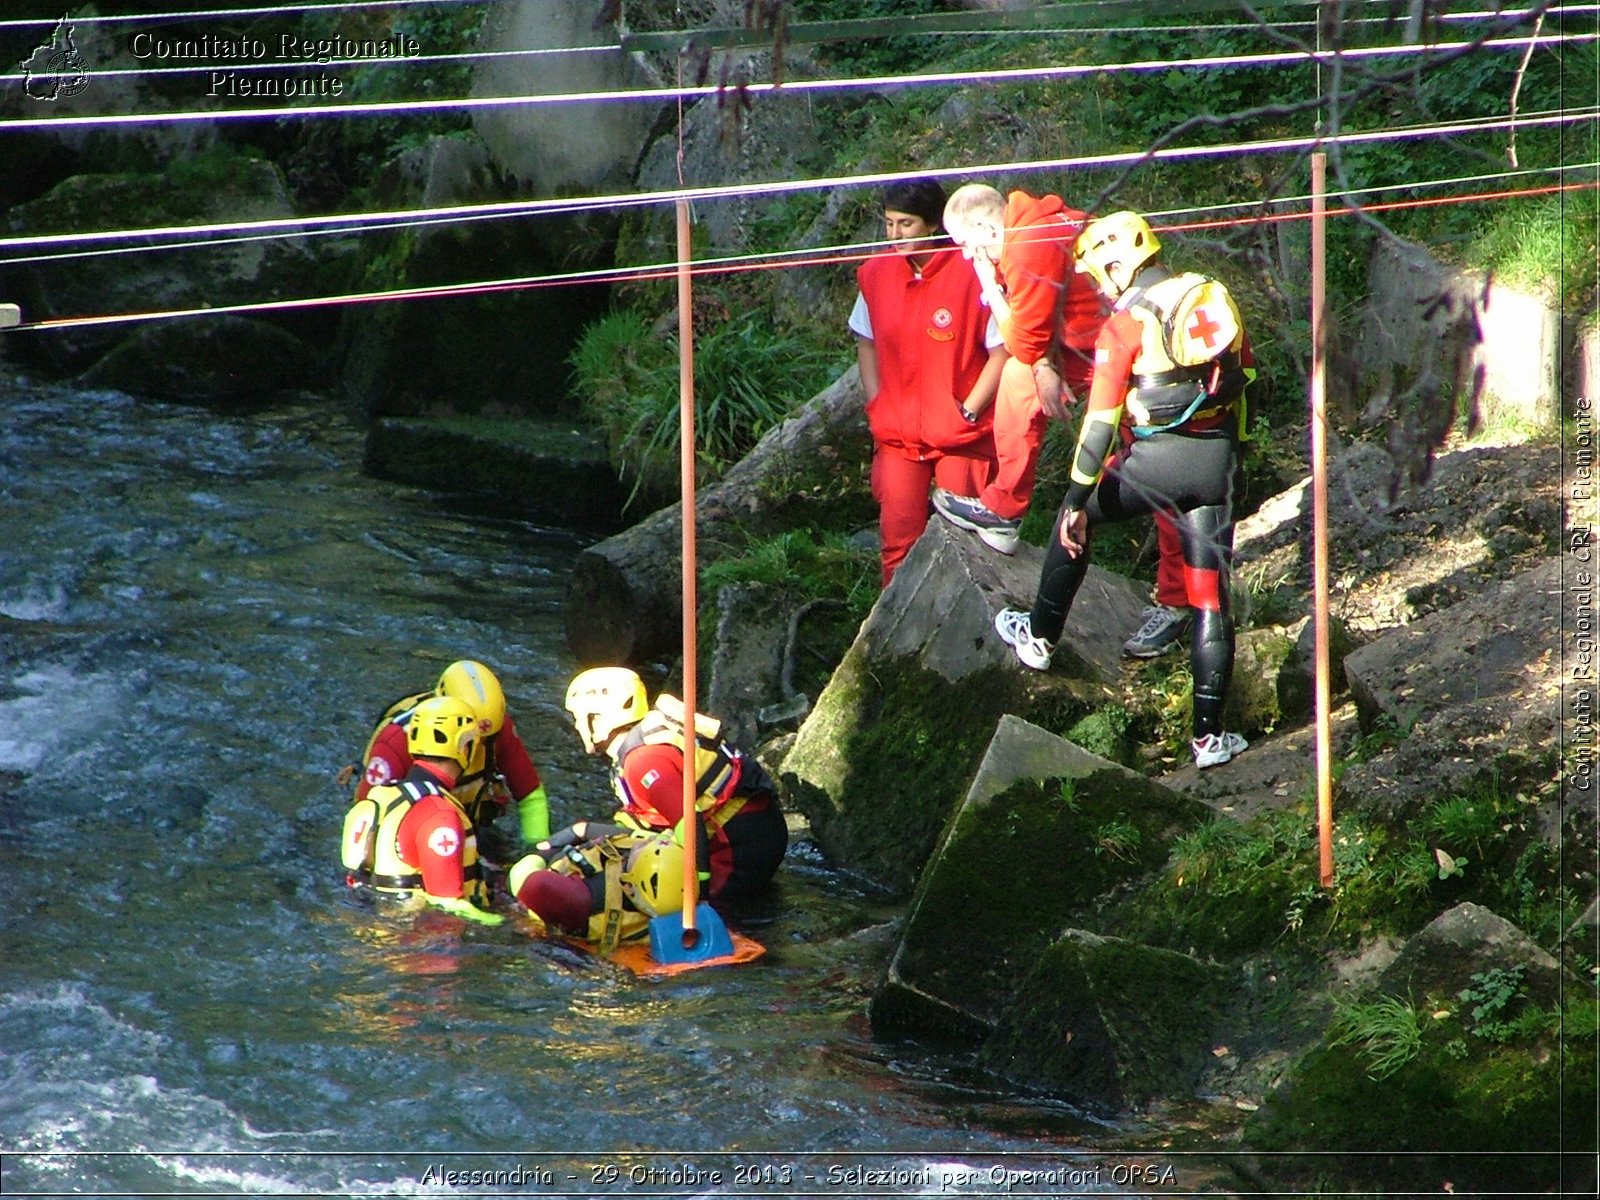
[475, 684]
[603, 700]
[443, 727]
[654, 874]
[1113, 248]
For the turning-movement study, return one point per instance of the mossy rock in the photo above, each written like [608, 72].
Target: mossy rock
[1212, 917]
[1483, 1117]
[1254, 704]
[1033, 859]
[549, 469]
[884, 757]
[1108, 1023]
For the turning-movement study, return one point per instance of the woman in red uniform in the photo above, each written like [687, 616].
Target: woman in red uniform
[931, 357]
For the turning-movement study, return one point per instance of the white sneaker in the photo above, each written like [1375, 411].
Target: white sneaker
[1159, 632]
[1012, 624]
[1217, 748]
[996, 532]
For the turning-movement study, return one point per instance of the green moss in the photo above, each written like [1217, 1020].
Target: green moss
[1444, 1114]
[1106, 732]
[905, 743]
[1108, 1023]
[1035, 859]
[1227, 889]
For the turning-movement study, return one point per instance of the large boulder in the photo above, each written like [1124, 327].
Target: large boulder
[912, 706]
[544, 467]
[216, 358]
[445, 354]
[1109, 1024]
[567, 148]
[220, 188]
[1045, 832]
[1415, 307]
[1464, 688]
[1472, 1064]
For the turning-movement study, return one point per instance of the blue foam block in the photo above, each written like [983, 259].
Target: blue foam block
[666, 937]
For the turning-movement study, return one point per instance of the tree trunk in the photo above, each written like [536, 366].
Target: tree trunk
[624, 600]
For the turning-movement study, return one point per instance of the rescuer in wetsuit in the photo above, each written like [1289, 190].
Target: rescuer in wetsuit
[1171, 364]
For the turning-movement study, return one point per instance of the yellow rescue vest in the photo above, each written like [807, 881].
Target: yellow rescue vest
[718, 766]
[370, 846]
[615, 923]
[1188, 366]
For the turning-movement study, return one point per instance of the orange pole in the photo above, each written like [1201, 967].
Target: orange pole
[691, 832]
[1319, 514]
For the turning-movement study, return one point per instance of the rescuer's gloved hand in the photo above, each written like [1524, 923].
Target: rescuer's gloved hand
[456, 906]
[533, 813]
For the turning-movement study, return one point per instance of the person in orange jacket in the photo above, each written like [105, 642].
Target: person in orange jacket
[931, 357]
[1021, 247]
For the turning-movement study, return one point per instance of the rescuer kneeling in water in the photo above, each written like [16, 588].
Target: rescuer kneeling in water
[416, 835]
[504, 770]
[737, 803]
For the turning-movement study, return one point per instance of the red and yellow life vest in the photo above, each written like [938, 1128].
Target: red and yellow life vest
[370, 845]
[718, 766]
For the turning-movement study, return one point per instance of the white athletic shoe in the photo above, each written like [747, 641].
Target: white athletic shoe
[1013, 626]
[1217, 748]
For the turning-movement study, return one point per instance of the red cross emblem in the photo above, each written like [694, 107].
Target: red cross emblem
[1204, 328]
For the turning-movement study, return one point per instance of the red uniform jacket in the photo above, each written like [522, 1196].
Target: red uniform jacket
[390, 759]
[928, 332]
[654, 773]
[431, 838]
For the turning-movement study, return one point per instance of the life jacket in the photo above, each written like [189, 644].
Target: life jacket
[616, 922]
[1190, 365]
[477, 779]
[719, 768]
[371, 834]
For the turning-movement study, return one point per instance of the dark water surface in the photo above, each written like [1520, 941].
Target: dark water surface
[199, 617]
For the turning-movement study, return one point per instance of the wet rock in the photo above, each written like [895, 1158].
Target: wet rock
[1108, 1023]
[219, 188]
[1461, 688]
[1458, 1076]
[216, 358]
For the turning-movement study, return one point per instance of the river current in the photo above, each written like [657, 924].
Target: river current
[200, 616]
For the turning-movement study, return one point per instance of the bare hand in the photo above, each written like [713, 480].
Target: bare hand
[1051, 389]
[1074, 531]
[983, 268]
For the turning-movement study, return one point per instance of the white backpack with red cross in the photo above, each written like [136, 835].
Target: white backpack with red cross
[1198, 317]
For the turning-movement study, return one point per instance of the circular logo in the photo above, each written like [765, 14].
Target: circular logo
[942, 319]
[377, 772]
[444, 842]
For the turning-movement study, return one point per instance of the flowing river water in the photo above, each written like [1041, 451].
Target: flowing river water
[200, 615]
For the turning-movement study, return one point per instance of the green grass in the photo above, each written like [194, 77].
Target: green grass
[748, 377]
[1386, 1032]
[1541, 246]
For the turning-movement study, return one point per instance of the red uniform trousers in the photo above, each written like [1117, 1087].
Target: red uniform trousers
[900, 480]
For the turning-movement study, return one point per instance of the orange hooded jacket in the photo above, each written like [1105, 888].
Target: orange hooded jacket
[1035, 263]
